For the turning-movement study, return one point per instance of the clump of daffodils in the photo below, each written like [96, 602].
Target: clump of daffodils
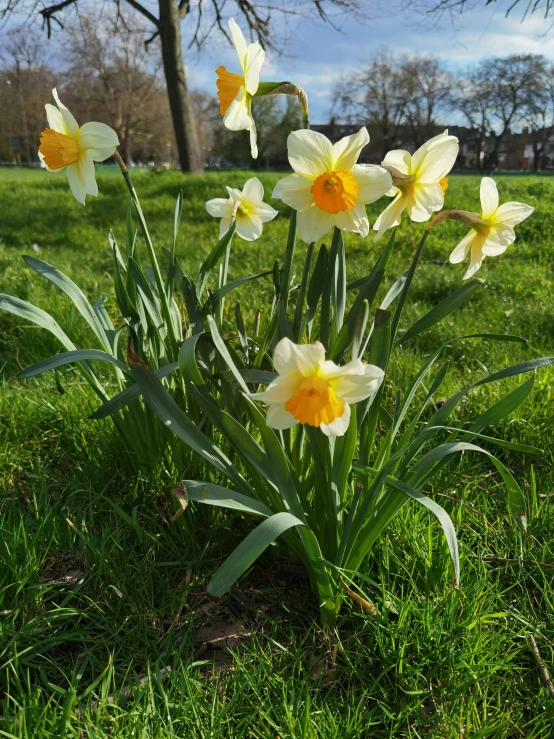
[66, 145]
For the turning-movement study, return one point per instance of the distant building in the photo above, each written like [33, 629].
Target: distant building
[523, 151]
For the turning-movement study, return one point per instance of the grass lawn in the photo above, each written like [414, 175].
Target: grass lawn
[95, 606]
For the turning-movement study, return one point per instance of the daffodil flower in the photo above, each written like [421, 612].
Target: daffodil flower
[65, 145]
[492, 232]
[246, 207]
[419, 181]
[315, 391]
[235, 91]
[329, 188]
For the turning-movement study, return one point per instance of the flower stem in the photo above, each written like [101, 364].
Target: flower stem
[287, 262]
[223, 282]
[155, 266]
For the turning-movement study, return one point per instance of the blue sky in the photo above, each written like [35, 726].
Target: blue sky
[316, 55]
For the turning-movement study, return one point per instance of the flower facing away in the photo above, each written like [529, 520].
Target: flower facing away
[235, 91]
[419, 181]
[492, 232]
[329, 188]
[247, 207]
[315, 391]
[66, 145]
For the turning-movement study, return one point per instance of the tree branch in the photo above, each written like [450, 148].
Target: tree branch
[143, 11]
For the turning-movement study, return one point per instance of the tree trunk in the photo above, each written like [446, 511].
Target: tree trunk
[190, 156]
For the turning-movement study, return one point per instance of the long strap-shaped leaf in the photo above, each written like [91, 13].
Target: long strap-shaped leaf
[443, 309]
[217, 495]
[173, 418]
[423, 470]
[123, 399]
[212, 260]
[442, 516]
[78, 355]
[249, 550]
[73, 292]
[35, 315]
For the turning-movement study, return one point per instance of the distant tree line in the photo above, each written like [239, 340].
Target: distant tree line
[113, 78]
[408, 98]
[402, 99]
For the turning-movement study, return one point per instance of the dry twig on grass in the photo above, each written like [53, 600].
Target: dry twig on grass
[541, 666]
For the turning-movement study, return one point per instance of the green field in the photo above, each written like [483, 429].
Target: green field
[94, 605]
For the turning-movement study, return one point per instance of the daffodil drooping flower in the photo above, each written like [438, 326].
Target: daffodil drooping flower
[419, 181]
[247, 207]
[492, 232]
[66, 145]
[315, 391]
[235, 91]
[329, 188]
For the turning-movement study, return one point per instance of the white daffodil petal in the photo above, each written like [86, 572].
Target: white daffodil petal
[420, 154]
[54, 117]
[101, 140]
[400, 160]
[249, 228]
[281, 389]
[437, 162]
[70, 124]
[224, 226]
[253, 136]
[345, 152]
[498, 240]
[354, 220]
[310, 152]
[460, 252]
[424, 201]
[253, 190]
[81, 179]
[237, 116]
[510, 214]
[314, 223]
[303, 358]
[88, 174]
[255, 56]
[295, 191]
[278, 417]
[264, 212]
[373, 182]
[489, 197]
[339, 426]
[354, 387]
[239, 42]
[220, 207]
[477, 257]
[390, 216]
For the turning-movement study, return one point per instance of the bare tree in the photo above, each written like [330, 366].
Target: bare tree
[200, 19]
[428, 93]
[437, 10]
[511, 83]
[111, 74]
[539, 114]
[25, 85]
[375, 96]
[398, 97]
[472, 97]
